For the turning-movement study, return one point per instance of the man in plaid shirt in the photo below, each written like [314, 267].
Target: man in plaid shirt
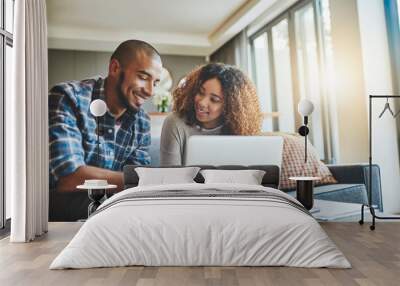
[134, 70]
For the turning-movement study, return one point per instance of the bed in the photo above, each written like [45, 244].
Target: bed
[200, 224]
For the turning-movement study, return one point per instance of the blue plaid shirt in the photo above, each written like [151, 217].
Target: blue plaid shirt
[72, 131]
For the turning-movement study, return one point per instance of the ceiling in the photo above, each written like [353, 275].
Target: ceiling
[182, 27]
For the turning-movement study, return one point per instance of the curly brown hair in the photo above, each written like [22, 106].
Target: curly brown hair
[241, 115]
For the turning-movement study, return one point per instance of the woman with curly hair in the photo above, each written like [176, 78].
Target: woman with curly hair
[214, 99]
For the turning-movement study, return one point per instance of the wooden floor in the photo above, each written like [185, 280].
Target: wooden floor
[374, 255]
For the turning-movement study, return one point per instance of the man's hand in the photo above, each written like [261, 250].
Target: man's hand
[70, 182]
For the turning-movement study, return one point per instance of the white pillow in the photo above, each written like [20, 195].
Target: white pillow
[165, 176]
[249, 177]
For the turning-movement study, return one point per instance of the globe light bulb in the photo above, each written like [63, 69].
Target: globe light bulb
[305, 107]
[98, 107]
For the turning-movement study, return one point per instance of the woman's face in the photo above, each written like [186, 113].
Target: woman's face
[209, 104]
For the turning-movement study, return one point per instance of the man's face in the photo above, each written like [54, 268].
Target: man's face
[137, 80]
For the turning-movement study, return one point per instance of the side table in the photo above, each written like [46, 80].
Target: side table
[305, 190]
[95, 194]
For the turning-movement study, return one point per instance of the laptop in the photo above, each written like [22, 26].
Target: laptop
[233, 150]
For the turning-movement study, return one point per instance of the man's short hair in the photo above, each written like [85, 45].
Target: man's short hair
[127, 51]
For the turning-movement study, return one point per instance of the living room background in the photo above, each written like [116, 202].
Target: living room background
[337, 67]
[359, 31]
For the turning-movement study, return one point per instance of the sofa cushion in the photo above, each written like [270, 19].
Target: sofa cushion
[154, 151]
[359, 174]
[347, 193]
[293, 163]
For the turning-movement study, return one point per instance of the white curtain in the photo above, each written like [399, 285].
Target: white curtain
[27, 123]
[234, 52]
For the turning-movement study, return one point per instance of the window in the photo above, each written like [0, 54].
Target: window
[288, 64]
[6, 44]
[261, 65]
[283, 75]
[308, 69]
[9, 15]
[8, 73]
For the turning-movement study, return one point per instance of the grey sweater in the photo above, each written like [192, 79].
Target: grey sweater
[174, 135]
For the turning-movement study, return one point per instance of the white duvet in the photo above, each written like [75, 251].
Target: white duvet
[183, 231]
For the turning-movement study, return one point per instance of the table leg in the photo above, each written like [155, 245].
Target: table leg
[305, 194]
[95, 197]
[109, 193]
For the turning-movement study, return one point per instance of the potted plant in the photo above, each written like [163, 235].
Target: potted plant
[162, 96]
[162, 100]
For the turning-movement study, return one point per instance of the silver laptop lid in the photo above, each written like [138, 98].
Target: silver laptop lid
[234, 150]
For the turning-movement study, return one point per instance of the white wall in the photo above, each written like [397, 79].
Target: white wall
[378, 80]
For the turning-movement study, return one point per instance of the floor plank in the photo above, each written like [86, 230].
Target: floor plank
[374, 255]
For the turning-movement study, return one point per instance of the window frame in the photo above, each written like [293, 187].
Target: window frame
[268, 30]
[6, 39]
[254, 70]
[289, 14]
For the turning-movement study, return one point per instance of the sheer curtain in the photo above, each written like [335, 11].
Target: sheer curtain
[27, 123]
[234, 52]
